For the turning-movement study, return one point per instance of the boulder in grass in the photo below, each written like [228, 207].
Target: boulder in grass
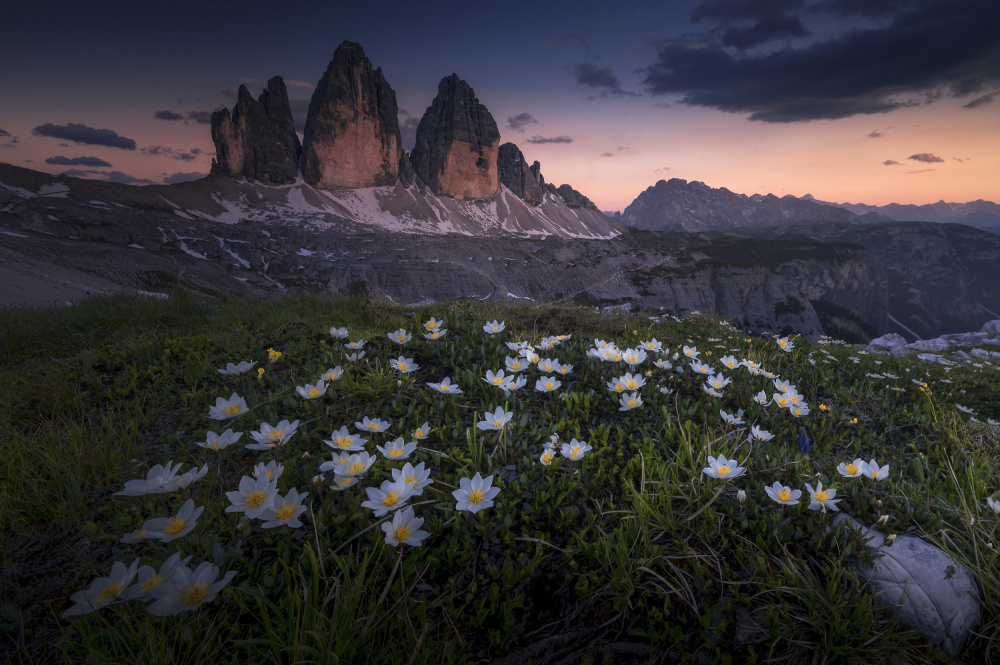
[928, 590]
[892, 343]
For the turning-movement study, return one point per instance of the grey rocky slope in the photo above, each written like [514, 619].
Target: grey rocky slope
[941, 278]
[223, 237]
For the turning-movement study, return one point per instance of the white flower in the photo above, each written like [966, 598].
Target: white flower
[493, 327]
[663, 363]
[731, 419]
[633, 382]
[332, 374]
[547, 384]
[762, 398]
[253, 497]
[310, 391]
[475, 494]
[268, 437]
[157, 481]
[355, 346]
[373, 425]
[436, 334]
[422, 431]
[341, 483]
[718, 381]
[343, 440]
[353, 466]
[691, 351]
[783, 494]
[518, 383]
[652, 345]
[390, 496]
[237, 370]
[799, 409]
[515, 364]
[964, 409]
[167, 529]
[851, 469]
[564, 369]
[219, 442]
[433, 324]
[182, 481]
[338, 333]
[188, 590]
[781, 385]
[417, 476]
[575, 450]
[633, 357]
[699, 367]
[227, 408]
[729, 361]
[616, 385]
[822, 498]
[516, 346]
[785, 345]
[547, 456]
[404, 528]
[874, 471]
[782, 400]
[104, 590]
[496, 379]
[271, 470]
[148, 577]
[403, 365]
[397, 449]
[741, 496]
[495, 420]
[711, 391]
[722, 468]
[629, 402]
[285, 510]
[446, 387]
[354, 356]
[400, 336]
[994, 505]
[547, 365]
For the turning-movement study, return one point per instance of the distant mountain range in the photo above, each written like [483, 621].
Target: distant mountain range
[679, 205]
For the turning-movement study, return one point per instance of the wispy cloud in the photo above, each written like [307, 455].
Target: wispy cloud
[925, 157]
[519, 121]
[550, 139]
[890, 162]
[59, 160]
[174, 153]
[167, 115]
[875, 134]
[602, 79]
[78, 133]
[921, 171]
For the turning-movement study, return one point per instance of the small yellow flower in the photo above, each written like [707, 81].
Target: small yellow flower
[273, 355]
[260, 372]
[824, 407]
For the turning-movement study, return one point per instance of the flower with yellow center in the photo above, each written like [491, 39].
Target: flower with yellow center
[149, 577]
[446, 387]
[343, 440]
[389, 496]
[783, 494]
[547, 384]
[273, 355]
[575, 450]
[416, 477]
[496, 420]
[349, 465]
[475, 494]
[103, 591]
[253, 497]
[188, 590]
[820, 498]
[227, 408]
[874, 471]
[629, 402]
[546, 457]
[722, 468]
[422, 431]
[167, 529]
[398, 449]
[514, 364]
[310, 391]
[404, 528]
[285, 510]
[851, 469]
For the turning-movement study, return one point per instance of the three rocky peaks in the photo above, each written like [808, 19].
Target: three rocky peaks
[352, 139]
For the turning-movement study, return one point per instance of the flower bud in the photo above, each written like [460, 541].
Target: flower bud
[741, 496]
[305, 457]
[889, 539]
[318, 480]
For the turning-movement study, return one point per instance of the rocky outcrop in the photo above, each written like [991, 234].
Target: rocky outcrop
[517, 176]
[457, 144]
[571, 197]
[536, 173]
[258, 140]
[351, 137]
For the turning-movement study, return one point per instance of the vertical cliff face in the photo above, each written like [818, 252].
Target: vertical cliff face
[352, 136]
[258, 140]
[516, 175]
[457, 144]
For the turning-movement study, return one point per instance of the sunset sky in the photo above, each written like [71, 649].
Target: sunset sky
[872, 101]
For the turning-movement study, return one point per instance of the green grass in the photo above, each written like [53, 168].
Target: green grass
[628, 555]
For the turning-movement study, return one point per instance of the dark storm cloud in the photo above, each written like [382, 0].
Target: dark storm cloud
[747, 23]
[602, 79]
[890, 162]
[865, 8]
[78, 133]
[3, 133]
[59, 160]
[200, 117]
[518, 122]
[875, 134]
[925, 157]
[980, 101]
[550, 139]
[162, 150]
[763, 31]
[167, 115]
[859, 71]
[182, 177]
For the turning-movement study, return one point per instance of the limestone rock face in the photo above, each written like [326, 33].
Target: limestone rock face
[351, 137]
[536, 172]
[517, 176]
[258, 140]
[571, 197]
[457, 144]
[929, 591]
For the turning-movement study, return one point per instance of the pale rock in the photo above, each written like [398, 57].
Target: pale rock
[928, 590]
